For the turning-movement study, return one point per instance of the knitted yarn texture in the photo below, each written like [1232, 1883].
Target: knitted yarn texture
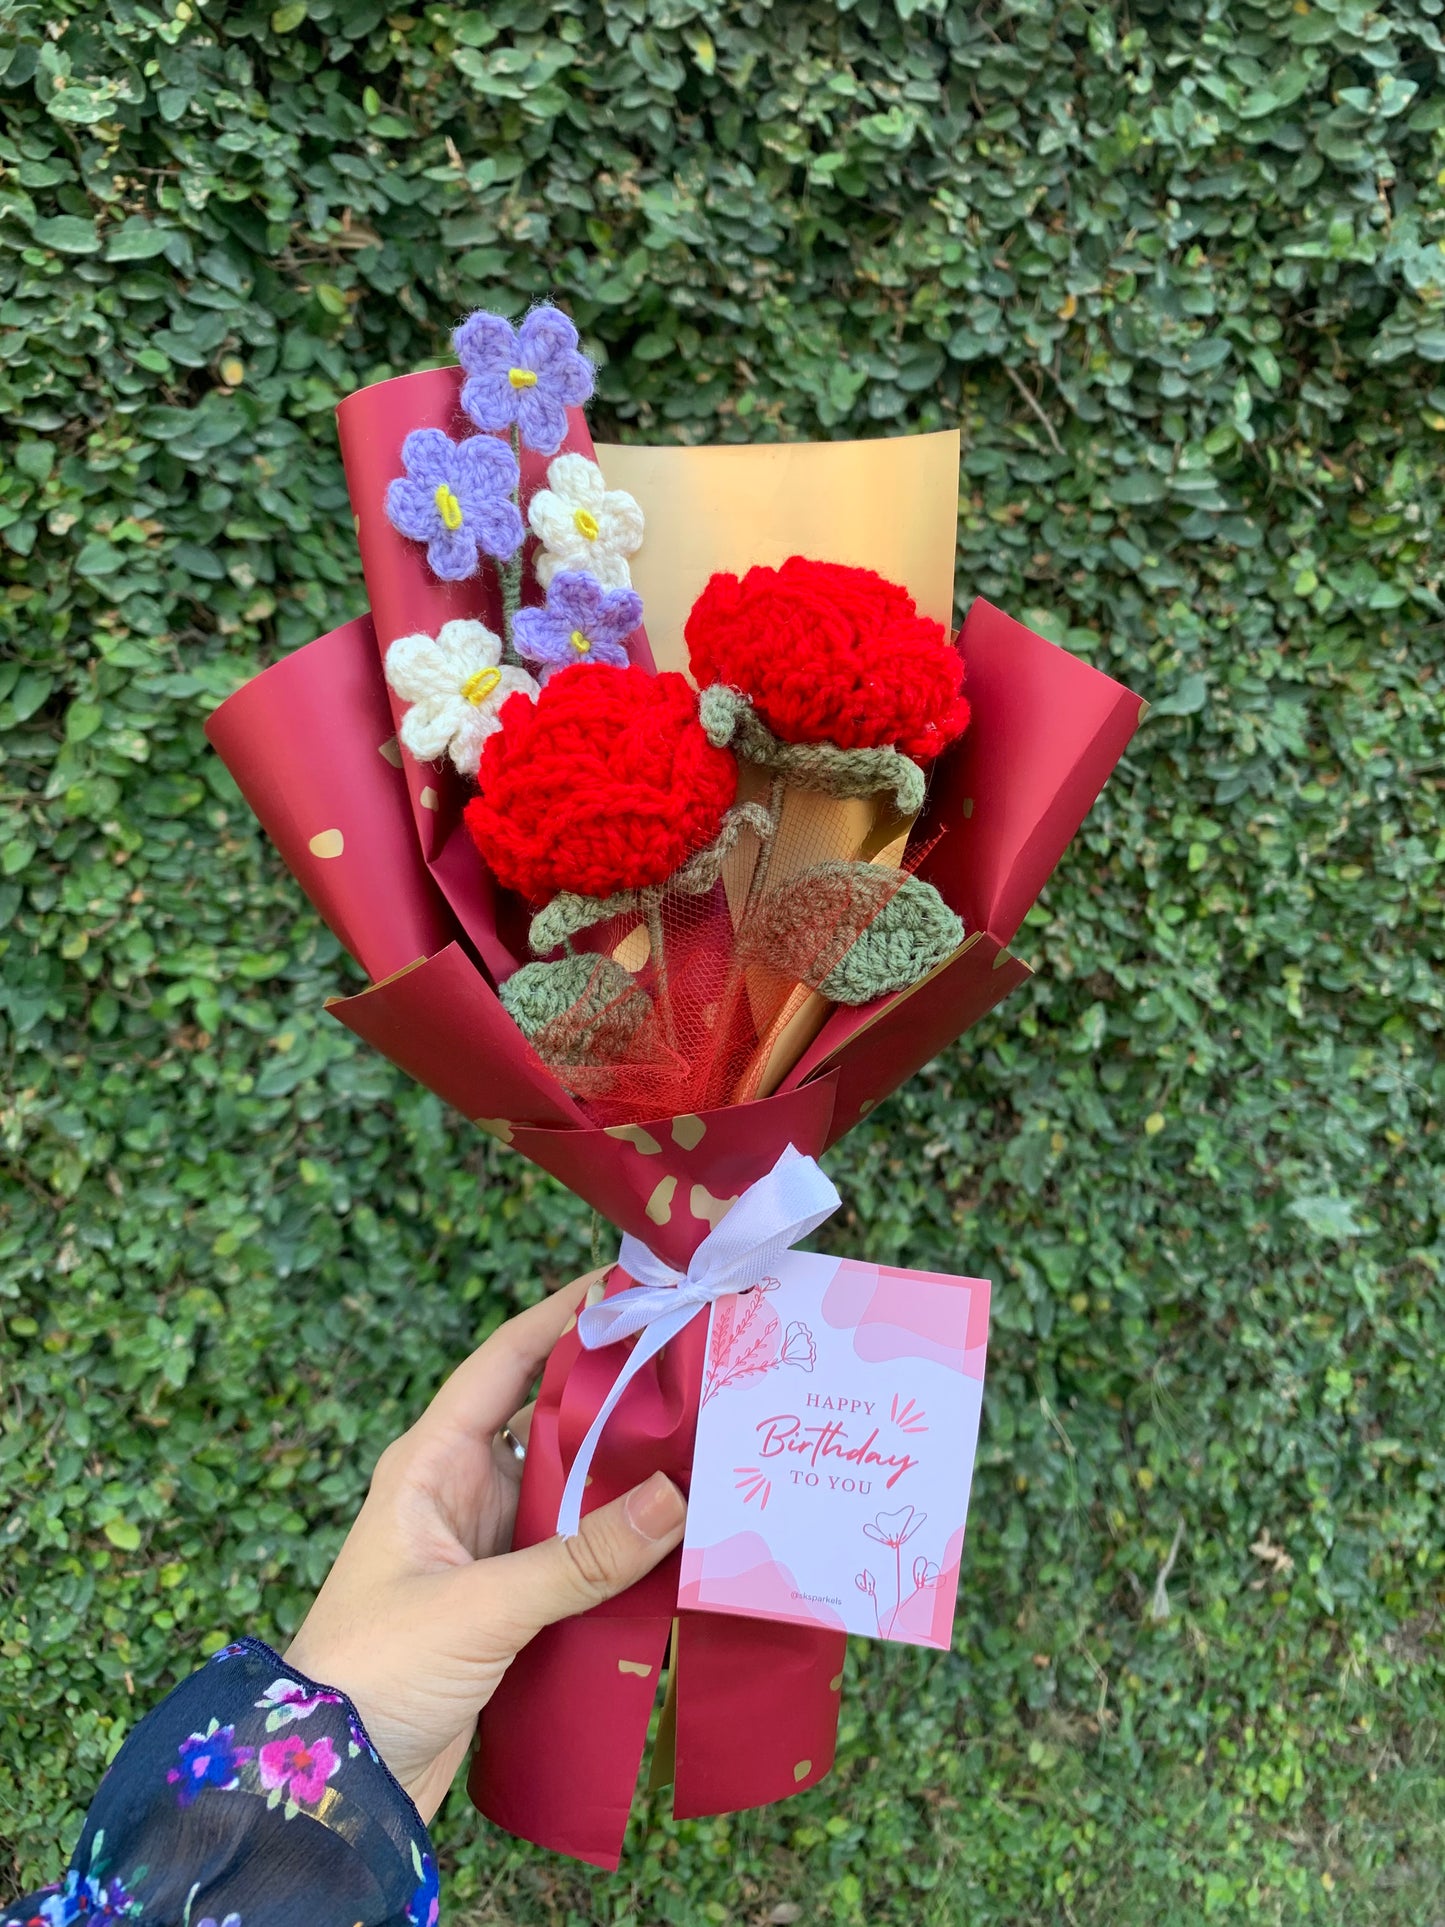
[605, 783]
[831, 654]
[567, 914]
[728, 717]
[456, 684]
[854, 931]
[578, 1010]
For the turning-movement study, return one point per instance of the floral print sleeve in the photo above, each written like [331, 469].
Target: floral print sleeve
[250, 1797]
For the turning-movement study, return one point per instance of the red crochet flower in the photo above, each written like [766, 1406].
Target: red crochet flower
[605, 783]
[830, 654]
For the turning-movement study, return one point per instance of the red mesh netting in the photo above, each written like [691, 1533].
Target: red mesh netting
[729, 977]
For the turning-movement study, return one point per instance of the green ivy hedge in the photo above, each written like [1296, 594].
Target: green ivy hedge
[1177, 270]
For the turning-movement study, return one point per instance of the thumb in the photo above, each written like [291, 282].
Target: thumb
[617, 1545]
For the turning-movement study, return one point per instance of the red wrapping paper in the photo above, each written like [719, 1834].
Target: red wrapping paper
[756, 1703]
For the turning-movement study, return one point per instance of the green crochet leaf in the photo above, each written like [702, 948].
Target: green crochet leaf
[853, 931]
[912, 933]
[728, 718]
[576, 1010]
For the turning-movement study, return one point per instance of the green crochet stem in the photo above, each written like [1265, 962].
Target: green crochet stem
[729, 718]
[511, 571]
[568, 913]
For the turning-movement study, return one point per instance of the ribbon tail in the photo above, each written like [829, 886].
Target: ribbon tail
[650, 1342]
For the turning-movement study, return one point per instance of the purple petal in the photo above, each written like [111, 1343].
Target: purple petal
[452, 554]
[571, 380]
[497, 526]
[411, 508]
[545, 333]
[428, 456]
[604, 649]
[541, 419]
[576, 597]
[490, 400]
[484, 468]
[540, 637]
[618, 614]
[549, 343]
[486, 344]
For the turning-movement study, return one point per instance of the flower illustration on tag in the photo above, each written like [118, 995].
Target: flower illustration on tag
[748, 1339]
[799, 1347]
[894, 1530]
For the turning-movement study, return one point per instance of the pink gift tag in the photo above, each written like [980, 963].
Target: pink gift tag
[835, 1445]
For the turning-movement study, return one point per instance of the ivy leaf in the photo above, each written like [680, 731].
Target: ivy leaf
[1327, 1216]
[136, 239]
[68, 234]
[1186, 700]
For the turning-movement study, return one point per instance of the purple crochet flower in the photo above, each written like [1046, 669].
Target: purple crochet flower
[529, 375]
[457, 498]
[207, 1759]
[581, 622]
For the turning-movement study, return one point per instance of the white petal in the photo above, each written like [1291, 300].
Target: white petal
[471, 643]
[427, 727]
[619, 522]
[575, 553]
[481, 720]
[416, 668]
[608, 566]
[551, 519]
[515, 682]
[578, 481]
[472, 730]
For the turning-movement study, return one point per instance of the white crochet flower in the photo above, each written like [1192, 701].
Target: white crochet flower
[584, 525]
[456, 684]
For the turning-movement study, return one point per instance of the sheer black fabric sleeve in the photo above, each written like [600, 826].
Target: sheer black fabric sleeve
[250, 1797]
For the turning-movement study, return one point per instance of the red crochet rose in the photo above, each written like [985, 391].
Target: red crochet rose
[830, 654]
[605, 783]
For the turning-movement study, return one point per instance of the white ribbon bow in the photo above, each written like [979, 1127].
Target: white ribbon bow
[740, 1250]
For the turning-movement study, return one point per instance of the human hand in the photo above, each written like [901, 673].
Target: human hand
[425, 1608]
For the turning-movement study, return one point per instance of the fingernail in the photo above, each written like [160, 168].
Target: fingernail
[596, 1292]
[656, 1509]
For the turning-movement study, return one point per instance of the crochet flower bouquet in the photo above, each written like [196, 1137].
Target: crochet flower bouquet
[651, 904]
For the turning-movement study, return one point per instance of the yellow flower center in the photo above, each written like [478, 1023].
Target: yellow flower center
[477, 688]
[585, 524]
[580, 642]
[522, 377]
[448, 507]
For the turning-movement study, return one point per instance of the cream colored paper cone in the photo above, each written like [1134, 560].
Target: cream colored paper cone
[889, 505]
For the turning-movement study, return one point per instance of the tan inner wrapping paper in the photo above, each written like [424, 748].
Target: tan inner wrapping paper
[889, 505]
